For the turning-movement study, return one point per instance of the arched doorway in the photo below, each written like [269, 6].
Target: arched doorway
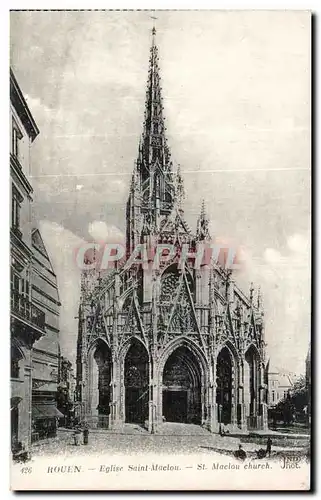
[182, 387]
[251, 381]
[224, 386]
[17, 390]
[100, 377]
[16, 362]
[136, 383]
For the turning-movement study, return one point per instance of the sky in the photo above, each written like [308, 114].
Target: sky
[236, 90]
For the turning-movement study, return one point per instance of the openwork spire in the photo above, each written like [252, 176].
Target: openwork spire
[155, 189]
[152, 189]
[155, 149]
[202, 229]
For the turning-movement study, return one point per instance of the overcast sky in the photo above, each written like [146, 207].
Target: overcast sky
[236, 88]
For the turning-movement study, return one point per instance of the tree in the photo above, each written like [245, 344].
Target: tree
[299, 394]
[294, 402]
[286, 408]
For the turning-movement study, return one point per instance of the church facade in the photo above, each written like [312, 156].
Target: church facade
[168, 343]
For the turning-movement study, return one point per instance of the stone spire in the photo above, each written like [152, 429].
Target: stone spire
[179, 188]
[259, 299]
[155, 151]
[152, 190]
[251, 292]
[202, 229]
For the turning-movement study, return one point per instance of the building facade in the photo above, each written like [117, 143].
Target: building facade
[280, 384]
[27, 321]
[66, 392]
[172, 343]
[45, 352]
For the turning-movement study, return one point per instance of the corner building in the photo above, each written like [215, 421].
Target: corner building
[27, 321]
[45, 352]
[168, 344]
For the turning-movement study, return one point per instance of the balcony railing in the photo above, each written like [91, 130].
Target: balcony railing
[26, 310]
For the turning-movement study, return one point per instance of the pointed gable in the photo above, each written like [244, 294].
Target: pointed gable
[40, 251]
[38, 243]
[44, 279]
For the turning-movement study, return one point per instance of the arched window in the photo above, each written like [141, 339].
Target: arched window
[224, 386]
[251, 383]
[100, 378]
[136, 383]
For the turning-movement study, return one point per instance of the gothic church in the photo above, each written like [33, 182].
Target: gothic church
[169, 344]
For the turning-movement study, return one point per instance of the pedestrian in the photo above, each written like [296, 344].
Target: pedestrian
[77, 434]
[240, 453]
[260, 453]
[269, 446]
[86, 434]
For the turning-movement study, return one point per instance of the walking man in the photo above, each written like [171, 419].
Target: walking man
[269, 446]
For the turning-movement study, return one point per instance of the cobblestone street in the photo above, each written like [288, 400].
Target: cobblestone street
[133, 440]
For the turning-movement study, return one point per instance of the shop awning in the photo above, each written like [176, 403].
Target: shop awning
[47, 387]
[46, 411]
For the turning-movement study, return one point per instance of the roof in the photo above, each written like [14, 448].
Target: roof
[39, 246]
[38, 243]
[21, 106]
[284, 377]
[285, 380]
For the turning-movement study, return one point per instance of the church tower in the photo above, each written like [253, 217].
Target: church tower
[152, 190]
[177, 342]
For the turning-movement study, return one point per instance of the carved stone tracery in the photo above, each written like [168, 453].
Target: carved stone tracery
[159, 307]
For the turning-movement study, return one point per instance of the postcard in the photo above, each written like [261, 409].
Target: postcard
[160, 173]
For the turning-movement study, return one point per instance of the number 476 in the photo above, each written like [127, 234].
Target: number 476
[26, 470]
